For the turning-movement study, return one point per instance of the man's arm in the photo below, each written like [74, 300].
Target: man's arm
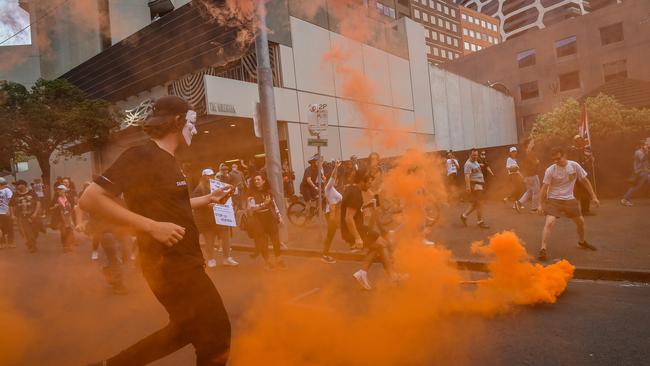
[98, 201]
[352, 227]
[467, 183]
[217, 196]
[587, 184]
[490, 171]
[542, 195]
[37, 210]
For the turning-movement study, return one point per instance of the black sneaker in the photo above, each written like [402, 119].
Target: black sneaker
[585, 245]
[542, 255]
[483, 225]
[463, 219]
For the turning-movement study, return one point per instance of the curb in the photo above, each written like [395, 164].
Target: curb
[581, 273]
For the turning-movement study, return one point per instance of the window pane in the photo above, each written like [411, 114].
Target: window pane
[466, 45]
[566, 47]
[611, 34]
[529, 90]
[454, 28]
[526, 58]
[615, 70]
[569, 81]
[416, 13]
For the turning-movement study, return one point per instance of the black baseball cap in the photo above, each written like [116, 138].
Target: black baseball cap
[166, 107]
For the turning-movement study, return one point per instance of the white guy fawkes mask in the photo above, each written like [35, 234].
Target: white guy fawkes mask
[189, 130]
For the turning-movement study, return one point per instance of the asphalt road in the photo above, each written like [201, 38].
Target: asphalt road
[67, 316]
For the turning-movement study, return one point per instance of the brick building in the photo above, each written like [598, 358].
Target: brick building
[479, 31]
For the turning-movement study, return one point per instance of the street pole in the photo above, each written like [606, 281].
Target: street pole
[267, 116]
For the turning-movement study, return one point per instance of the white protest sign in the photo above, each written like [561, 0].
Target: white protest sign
[317, 118]
[223, 214]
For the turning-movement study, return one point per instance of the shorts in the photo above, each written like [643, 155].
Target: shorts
[476, 191]
[368, 236]
[559, 208]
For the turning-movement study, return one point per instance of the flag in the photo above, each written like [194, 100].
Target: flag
[583, 131]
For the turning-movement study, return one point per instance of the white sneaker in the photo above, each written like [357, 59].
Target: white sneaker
[362, 279]
[428, 242]
[230, 261]
[212, 263]
[627, 203]
[95, 255]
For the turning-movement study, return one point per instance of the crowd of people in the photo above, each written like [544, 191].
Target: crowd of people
[145, 194]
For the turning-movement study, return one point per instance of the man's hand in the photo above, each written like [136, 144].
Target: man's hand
[596, 201]
[218, 195]
[166, 232]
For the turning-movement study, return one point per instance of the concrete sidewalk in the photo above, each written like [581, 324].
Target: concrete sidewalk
[621, 234]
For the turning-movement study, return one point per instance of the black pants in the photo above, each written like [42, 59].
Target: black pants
[196, 315]
[7, 227]
[29, 230]
[266, 229]
[515, 186]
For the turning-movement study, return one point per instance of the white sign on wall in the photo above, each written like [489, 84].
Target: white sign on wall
[317, 117]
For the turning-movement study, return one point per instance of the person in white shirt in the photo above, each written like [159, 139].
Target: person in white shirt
[557, 199]
[6, 224]
[515, 179]
[332, 212]
[453, 167]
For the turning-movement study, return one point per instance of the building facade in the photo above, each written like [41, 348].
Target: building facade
[520, 16]
[542, 68]
[441, 22]
[479, 31]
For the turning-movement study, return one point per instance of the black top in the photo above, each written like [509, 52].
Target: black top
[154, 186]
[352, 198]
[530, 165]
[24, 204]
[312, 172]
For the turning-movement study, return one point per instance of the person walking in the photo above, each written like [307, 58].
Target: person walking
[26, 207]
[514, 179]
[641, 172]
[237, 181]
[488, 174]
[529, 169]
[62, 211]
[475, 188]
[6, 223]
[311, 184]
[557, 198]
[453, 167]
[359, 236]
[159, 209]
[332, 212]
[205, 221]
[265, 219]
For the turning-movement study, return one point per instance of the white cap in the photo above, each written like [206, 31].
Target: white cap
[207, 172]
[513, 149]
[3, 181]
[61, 186]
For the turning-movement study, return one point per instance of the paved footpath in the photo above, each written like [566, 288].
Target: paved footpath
[622, 235]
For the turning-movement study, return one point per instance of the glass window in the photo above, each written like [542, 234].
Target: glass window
[434, 35]
[416, 14]
[611, 34]
[479, 48]
[454, 27]
[436, 52]
[391, 13]
[483, 23]
[466, 45]
[443, 53]
[463, 17]
[615, 70]
[448, 40]
[470, 18]
[447, 25]
[450, 55]
[471, 33]
[570, 81]
[432, 4]
[473, 47]
[455, 42]
[446, 10]
[476, 21]
[496, 41]
[425, 17]
[440, 23]
[465, 32]
[526, 58]
[439, 7]
[566, 47]
[529, 90]
[453, 14]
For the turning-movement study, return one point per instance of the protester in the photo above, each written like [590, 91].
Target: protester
[265, 218]
[38, 188]
[62, 211]
[6, 223]
[359, 236]
[311, 184]
[332, 212]
[485, 169]
[205, 221]
[288, 176]
[237, 181]
[160, 211]
[71, 192]
[582, 155]
[557, 198]
[26, 207]
[376, 174]
[514, 179]
[641, 171]
[452, 166]
[529, 170]
[475, 188]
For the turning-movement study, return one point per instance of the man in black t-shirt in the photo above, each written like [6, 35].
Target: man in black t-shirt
[359, 236]
[159, 208]
[26, 207]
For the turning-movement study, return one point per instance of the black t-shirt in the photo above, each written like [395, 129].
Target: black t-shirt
[154, 186]
[352, 198]
[311, 172]
[24, 204]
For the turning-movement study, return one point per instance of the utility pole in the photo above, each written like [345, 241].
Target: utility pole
[267, 116]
